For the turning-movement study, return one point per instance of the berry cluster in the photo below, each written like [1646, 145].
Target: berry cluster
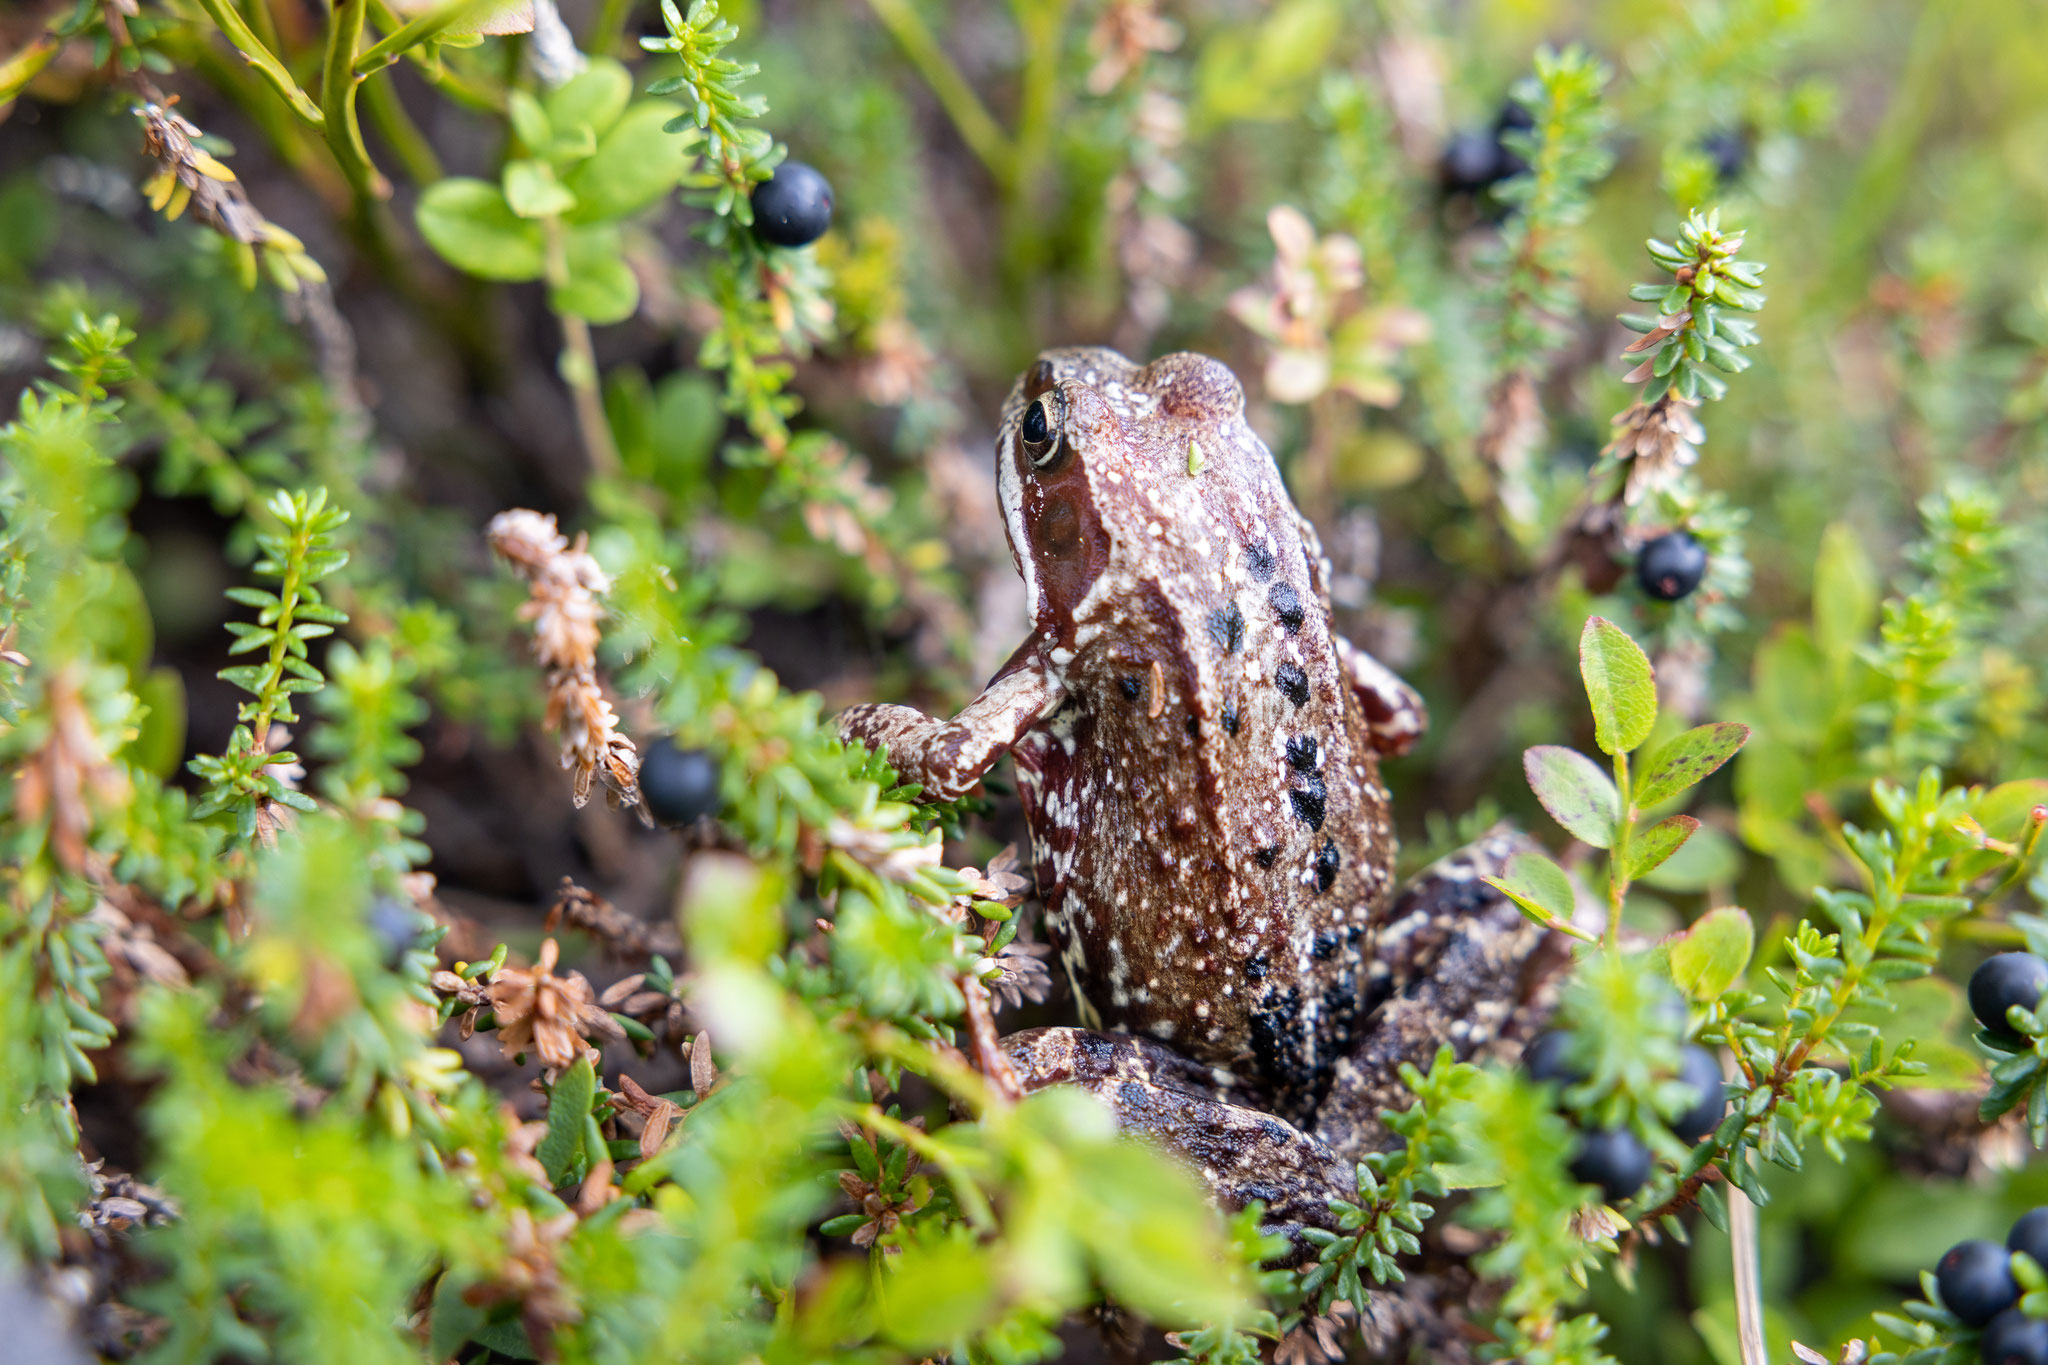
[2001, 982]
[1616, 1159]
[1976, 1284]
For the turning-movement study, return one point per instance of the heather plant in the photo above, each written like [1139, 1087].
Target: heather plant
[420, 424]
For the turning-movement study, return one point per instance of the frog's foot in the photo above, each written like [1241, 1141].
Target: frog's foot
[1199, 1115]
[1457, 963]
[947, 757]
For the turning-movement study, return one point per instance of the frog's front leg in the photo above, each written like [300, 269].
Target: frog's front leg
[1395, 715]
[947, 757]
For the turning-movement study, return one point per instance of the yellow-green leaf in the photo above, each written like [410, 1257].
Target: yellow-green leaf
[1708, 958]
[1619, 685]
[1687, 759]
[1576, 792]
[1653, 845]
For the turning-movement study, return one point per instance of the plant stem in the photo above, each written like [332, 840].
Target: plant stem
[608, 29]
[338, 101]
[971, 118]
[579, 363]
[1617, 857]
[230, 22]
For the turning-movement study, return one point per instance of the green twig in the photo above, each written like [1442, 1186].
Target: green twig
[424, 29]
[338, 100]
[238, 32]
[579, 362]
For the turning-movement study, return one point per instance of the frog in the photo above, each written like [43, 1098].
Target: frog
[1198, 753]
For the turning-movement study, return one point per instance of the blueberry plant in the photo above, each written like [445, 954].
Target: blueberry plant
[459, 454]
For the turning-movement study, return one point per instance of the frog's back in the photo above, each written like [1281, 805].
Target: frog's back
[1213, 837]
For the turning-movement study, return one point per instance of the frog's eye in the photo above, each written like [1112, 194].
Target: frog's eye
[1042, 444]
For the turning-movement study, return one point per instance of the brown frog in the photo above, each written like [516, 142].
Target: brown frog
[1198, 755]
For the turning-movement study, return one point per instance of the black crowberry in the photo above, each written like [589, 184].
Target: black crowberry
[2030, 1234]
[2003, 981]
[1698, 1069]
[1614, 1159]
[397, 927]
[792, 207]
[1544, 1059]
[1671, 566]
[1729, 151]
[1470, 159]
[678, 785]
[2013, 1338]
[1975, 1280]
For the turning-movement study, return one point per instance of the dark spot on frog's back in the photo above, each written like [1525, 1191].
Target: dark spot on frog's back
[1226, 628]
[1327, 862]
[1130, 687]
[1287, 606]
[1301, 753]
[1230, 715]
[1292, 682]
[1308, 803]
[1097, 1050]
[1258, 562]
[1134, 1097]
[1268, 855]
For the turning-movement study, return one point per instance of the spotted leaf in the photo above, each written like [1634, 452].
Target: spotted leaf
[1687, 759]
[1575, 791]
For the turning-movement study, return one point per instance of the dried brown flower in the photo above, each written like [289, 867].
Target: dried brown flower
[1318, 1339]
[68, 774]
[552, 1016]
[594, 915]
[1321, 337]
[565, 583]
[1658, 441]
[1124, 35]
[657, 1114]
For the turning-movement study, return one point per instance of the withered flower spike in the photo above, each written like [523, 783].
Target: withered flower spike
[564, 584]
[553, 1016]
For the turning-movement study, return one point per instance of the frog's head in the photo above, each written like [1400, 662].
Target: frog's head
[1093, 458]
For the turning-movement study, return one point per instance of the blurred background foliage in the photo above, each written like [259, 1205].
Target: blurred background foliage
[438, 274]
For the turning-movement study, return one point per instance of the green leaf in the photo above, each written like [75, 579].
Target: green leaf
[470, 224]
[1708, 859]
[592, 99]
[1653, 845]
[531, 190]
[1542, 889]
[568, 1106]
[1845, 593]
[1687, 759]
[1708, 958]
[1576, 792]
[600, 287]
[635, 164]
[1619, 684]
[529, 121]
[453, 1318]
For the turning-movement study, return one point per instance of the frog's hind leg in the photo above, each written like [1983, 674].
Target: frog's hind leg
[1200, 1114]
[1456, 963]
